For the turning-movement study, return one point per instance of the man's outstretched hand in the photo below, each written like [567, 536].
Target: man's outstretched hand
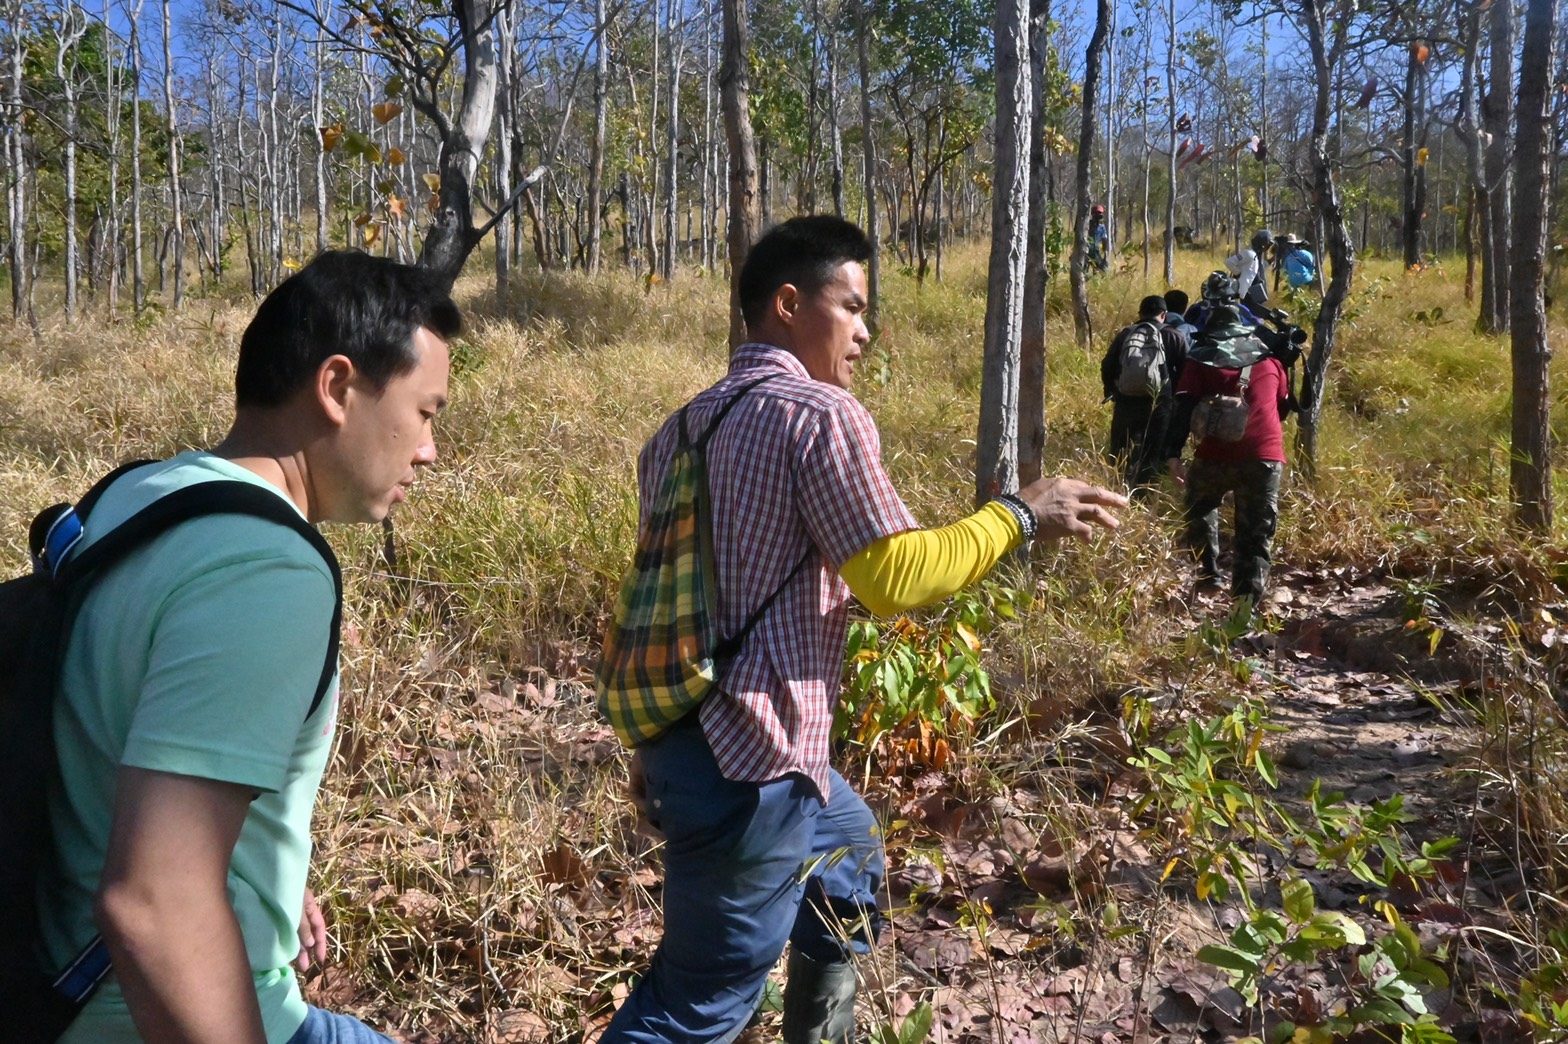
[1068, 507]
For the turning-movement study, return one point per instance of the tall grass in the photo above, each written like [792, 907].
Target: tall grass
[472, 846]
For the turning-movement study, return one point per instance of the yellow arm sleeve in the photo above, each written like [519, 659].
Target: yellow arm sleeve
[919, 566]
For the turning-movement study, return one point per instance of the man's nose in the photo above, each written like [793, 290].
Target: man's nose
[426, 454]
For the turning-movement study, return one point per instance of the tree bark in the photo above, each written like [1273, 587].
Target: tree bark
[1170, 155]
[1530, 474]
[1082, 324]
[1497, 112]
[672, 145]
[17, 174]
[1331, 216]
[996, 468]
[835, 133]
[1031, 341]
[735, 99]
[601, 76]
[72, 27]
[176, 199]
[1413, 166]
[869, 152]
[138, 273]
[452, 236]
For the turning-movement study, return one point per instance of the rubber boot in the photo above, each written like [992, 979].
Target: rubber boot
[819, 1001]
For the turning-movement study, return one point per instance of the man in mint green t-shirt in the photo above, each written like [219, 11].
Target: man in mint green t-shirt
[189, 754]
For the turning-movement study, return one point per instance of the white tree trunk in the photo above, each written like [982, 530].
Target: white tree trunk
[172, 128]
[996, 469]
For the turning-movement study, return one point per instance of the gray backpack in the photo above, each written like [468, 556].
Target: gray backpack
[1223, 417]
[1142, 361]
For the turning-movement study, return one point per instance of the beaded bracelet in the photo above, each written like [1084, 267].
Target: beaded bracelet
[1022, 512]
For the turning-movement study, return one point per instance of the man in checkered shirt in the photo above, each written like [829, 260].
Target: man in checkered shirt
[764, 842]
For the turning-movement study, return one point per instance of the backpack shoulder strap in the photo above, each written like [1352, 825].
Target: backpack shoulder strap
[221, 497]
[713, 425]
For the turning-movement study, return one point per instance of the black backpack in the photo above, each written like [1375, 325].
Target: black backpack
[36, 612]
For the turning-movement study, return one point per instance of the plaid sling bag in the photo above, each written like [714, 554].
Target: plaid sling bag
[662, 652]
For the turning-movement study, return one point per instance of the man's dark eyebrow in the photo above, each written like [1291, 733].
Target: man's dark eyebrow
[856, 300]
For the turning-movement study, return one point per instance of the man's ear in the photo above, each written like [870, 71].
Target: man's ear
[334, 384]
[786, 302]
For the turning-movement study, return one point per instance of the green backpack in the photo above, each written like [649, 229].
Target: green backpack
[662, 653]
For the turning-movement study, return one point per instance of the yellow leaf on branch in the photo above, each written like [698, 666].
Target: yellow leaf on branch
[385, 112]
[396, 156]
[330, 136]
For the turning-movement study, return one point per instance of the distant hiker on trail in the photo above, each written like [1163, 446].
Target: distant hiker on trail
[1232, 397]
[764, 842]
[1296, 261]
[1250, 265]
[1099, 239]
[198, 697]
[1139, 374]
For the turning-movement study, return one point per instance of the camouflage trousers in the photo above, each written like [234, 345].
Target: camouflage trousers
[1255, 484]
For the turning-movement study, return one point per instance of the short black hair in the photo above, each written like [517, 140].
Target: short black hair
[1177, 301]
[1151, 306]
[803, 251]
[343, 303]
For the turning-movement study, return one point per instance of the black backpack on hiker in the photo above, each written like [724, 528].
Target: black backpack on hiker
[36, 612]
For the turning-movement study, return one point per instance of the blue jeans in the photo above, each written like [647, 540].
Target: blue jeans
[324, 1027]
[739, 859]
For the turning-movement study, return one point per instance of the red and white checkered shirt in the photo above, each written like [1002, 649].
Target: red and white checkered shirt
[795, 467]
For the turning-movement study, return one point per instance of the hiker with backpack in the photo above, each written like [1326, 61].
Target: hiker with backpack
[1139, 374]
[1249, 268]
[1099, 239]
[197, 694]
[1232, 397]
[764, 507]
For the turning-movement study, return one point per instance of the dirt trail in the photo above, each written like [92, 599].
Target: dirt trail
[1365, 707]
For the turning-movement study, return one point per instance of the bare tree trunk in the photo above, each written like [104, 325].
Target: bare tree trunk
[1148, 153]
[1530, 473]
[1031, 341]
[1265, 201]
[1170, 156]
[68, 34]
[735, 99]
[1082, 324]
[1412, 159]
[217, 221]
[16, 161]
[1112, 91]
[601, 74]
[318, 110]
[112, 128]
[835, 133]
[672, 144]
[172, 128]
[138, 272]
[452, 235]
[1331, 215]
[996, 468]
[869, 151]
[1497, 112]
[503, 152]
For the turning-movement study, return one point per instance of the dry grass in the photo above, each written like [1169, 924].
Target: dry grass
[472, 846]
